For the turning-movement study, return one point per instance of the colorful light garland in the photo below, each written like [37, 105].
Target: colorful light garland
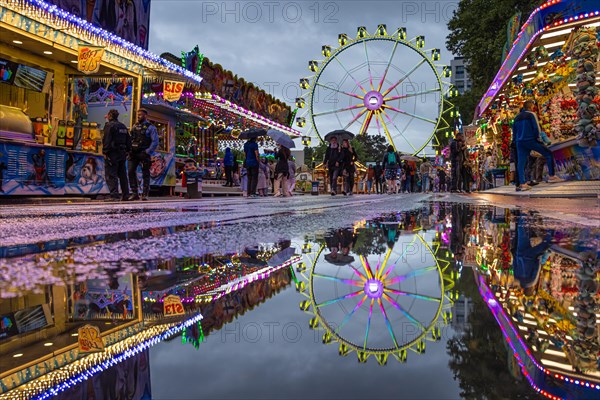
[241, 111]
[88, 32]
[44, 387]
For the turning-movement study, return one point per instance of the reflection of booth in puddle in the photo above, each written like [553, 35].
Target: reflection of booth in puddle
[376, 289]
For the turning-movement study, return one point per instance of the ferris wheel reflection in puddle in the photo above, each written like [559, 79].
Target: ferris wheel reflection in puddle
[378, 301]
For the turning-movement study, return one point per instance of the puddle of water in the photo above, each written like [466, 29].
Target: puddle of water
[372, 310]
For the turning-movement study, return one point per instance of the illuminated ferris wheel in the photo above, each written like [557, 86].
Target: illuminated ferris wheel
[378, 84]
[377, 305]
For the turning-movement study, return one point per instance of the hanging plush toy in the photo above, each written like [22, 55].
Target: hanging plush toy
[584, 49]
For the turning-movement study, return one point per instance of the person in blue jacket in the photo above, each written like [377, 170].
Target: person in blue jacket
[526, 132]
[228, 162]
[527, 258]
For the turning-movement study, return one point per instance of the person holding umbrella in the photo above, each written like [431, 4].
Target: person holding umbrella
[282, 172]
[349, 157]
[333, 160]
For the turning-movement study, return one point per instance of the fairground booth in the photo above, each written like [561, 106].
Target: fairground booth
[553, 61]
[60, 74]
[224, 105]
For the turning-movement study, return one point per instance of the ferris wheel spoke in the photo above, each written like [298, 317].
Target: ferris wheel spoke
[386, 130]
[366, 267]
[432, 121]
[350, 75]
[412, 94]
[387, 322]
[368, 66]
[356, 118]
[405, 77]
[387, 67]
[339, 110]
[401, 134]
[416, 272]
[356, 96]
[350, 282]
[357, 272]
[366, 122]
[368, 323]
[350, 314]
[403, 311]
[333, 301]
[415, 295]
[381, 267]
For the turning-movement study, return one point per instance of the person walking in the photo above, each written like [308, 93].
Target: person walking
[292, 175]
[370, 178]
[457, 160]
[116, 144]
[333, 160]
[349, 158]
[425, 169]
[252, 163]
[144, 140]
[282, 172]
[263, 178]
[228, 163]
[527, 133]
[390, 165]
[378, 178]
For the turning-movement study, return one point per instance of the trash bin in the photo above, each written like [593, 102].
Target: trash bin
[315, 188]
[499, 177]
[194, 184]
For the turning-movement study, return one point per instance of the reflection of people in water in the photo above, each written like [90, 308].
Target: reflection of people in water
[526, 258]
[340, 242]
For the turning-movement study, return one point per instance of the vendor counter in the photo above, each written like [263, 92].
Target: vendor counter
[31, 169]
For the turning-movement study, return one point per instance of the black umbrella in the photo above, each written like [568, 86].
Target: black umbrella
[340, 134]
[253, 133]
[339, 259]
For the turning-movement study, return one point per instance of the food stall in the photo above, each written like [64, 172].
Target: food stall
[553, 61]
[59, 77]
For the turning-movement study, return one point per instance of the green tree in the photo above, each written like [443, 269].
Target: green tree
[478, 33]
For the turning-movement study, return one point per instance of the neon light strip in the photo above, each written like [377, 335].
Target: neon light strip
[497, 311]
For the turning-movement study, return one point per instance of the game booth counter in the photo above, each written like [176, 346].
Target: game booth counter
[553, 61]
[59, 76]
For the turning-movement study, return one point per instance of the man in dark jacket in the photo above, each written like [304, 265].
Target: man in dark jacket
[378, 178]
[116, 143]
[457, 159]
[144, 141]
[333, 160]
[527, 134]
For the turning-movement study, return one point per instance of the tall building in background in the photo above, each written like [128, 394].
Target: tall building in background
[460, 78]
[128, 19]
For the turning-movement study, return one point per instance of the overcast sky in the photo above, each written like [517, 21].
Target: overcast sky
[270, 42]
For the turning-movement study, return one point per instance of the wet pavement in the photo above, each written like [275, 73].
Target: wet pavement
[409, 297]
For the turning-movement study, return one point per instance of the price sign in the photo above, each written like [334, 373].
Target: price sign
[172, 90]
[90, 339]
[89, 58]
[172, 306]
